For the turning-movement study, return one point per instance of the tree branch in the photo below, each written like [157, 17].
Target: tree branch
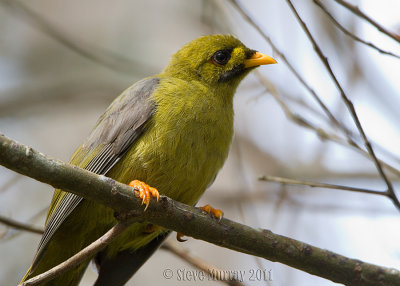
[96, 54]
[351, 35]
[184, 254]
[350, 106]
[287, 181]
[362, 15]
[18, 225]
[87, 253]
[349, 135]
[192, 221]
[320, 132]
[313, 93]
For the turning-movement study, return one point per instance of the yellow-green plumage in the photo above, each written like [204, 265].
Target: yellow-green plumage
[181, 138]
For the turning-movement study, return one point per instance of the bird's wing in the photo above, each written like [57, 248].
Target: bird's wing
[115, 131]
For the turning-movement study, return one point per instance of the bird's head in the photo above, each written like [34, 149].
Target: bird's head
[215, 60]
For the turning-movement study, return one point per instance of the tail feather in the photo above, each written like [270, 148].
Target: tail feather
[118, 269]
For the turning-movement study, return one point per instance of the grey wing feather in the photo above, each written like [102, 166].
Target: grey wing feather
[116, 130]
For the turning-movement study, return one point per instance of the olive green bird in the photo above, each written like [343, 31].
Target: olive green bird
[172, 131]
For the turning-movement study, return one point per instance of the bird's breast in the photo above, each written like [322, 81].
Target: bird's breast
[186, 143]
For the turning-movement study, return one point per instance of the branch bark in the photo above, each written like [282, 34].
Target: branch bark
[192, 221]
[87, 253]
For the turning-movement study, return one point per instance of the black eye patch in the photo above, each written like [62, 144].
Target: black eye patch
[250, 53]
[221, 57]
[236, 71]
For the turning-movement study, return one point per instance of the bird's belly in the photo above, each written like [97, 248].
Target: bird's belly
[181, 164]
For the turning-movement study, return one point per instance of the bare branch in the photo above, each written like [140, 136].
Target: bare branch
[192, 221]
[322, 134]
[100, 56]
[182, 253]
[252, 22]
[300, 120]
[348, 33]
[349, 105]
[320, 185]
[168, 246]
[361, 14]
[87, 253]
[19, 225]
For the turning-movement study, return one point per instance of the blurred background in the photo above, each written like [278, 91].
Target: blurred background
[63, 62]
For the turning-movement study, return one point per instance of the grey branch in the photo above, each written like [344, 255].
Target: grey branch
[362, 15]
[351, 35]
[320, 132]
[192, 221]
[87, 253]
[100, 56]
[350, 106]
[313, 93]
[180, 252]
[321, 185]
[18, 225]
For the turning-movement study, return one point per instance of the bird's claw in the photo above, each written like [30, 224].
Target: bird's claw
[179, 237]
[216, 212]
[145, 191]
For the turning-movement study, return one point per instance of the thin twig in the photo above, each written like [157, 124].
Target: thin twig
[351, 35]
[184, 254]
[321, 133]
[100, 56]
[361, 14]
[8, 236]
[200, 264]
[197, 262]
[350, 107]
[320, 185]
[83, 255]
[349, 140]
[256, 26]
[19, 225]
[291, 115]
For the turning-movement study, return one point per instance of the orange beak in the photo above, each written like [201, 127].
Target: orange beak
[258, 59]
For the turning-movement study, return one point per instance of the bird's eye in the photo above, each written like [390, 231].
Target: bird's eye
[221, 57]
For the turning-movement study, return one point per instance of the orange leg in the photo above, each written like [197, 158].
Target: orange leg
[179, 237]
[145, 191]
[216, 212]
[208, 209]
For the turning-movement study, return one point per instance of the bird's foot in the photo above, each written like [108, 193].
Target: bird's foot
[179, 237]
[145, 192]
[216, 212]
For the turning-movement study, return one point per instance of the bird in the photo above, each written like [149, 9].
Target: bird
[166, 134]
